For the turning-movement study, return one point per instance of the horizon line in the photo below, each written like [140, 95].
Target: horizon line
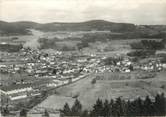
[75, 22]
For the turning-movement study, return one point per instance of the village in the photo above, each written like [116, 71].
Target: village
[39, 71]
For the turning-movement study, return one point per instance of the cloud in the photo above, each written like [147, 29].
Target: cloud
[132, 11]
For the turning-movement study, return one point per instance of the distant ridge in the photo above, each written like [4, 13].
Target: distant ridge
[15, 27]
[21, 27]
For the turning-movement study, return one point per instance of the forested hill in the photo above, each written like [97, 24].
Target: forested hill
[14, 28]
[99, 25]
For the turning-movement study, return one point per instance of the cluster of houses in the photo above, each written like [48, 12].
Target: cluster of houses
[126, 65]
[29, 89]
[153, 65]
[48, 71]
[57, 69]
[115, 65]
[41, 64]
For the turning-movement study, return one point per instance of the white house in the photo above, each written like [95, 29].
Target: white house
[15, 92]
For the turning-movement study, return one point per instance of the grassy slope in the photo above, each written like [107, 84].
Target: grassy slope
[88, 93]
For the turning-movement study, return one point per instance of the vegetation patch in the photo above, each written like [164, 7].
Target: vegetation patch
[145, 75]
[10, 47]
[148, 45]
[114, 76]
[119, 107]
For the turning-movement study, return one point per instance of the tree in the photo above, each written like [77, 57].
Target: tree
[147, 106]
[160, 104]
[119, 107]
[131, 67]
[76, 108]
[93, 81]
[128, 111]
[111, 113]
[45, 114]
[5, 111]
[163, 104]
[44, 93]
[54, 71]
[97, 108]
[148, 45]
[111, 61]
[106, 110]
[82, 45]
[66, 110]
[141, 53]
[139, 106]
[23, 113]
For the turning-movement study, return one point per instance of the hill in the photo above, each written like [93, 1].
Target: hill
[98, 25]
[13, 29]
[125, 30]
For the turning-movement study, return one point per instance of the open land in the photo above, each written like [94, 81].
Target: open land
[105, 89]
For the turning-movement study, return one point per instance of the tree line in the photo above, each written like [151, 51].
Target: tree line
[146, 48]
[113, 108]
[11, 47]
[119, 107]
[149, 45]
[141, 53]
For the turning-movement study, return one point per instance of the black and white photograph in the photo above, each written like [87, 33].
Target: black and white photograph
[82, 58]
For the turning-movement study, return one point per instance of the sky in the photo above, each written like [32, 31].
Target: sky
[44, 11]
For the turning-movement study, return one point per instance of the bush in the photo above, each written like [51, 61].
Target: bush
[136, 45]
[141, 53]
[146, 75]
[23, 113]
[148, 45]
[111, 60]
[10, 47]
[82, 45]
[67, 48]
[93, 81]
[47, 43]
[162, 87]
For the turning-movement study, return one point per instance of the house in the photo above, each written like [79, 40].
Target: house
[25, 90]
[15, 92]
[13, 89]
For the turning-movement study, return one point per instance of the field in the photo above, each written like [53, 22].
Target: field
[66, 40]
[105, 89]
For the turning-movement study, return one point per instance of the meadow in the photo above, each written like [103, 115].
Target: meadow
[88, 93]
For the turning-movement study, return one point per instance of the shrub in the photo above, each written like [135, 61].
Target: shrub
[148, 44]
[141, 53]
[93, 81]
